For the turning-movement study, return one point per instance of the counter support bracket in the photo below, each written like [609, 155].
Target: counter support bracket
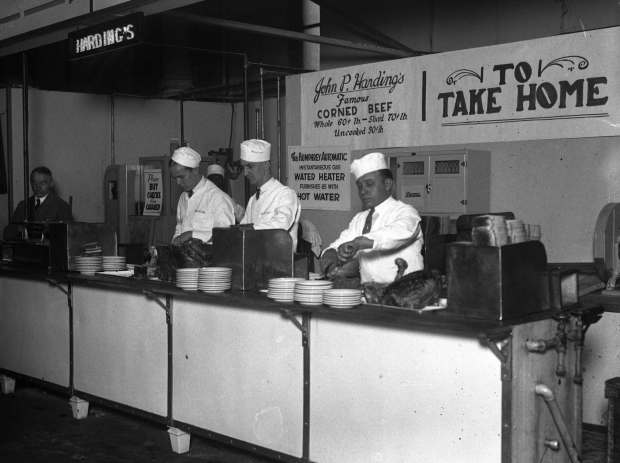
[501, 350]
[160, 302]
[304, 328]
[69, 293]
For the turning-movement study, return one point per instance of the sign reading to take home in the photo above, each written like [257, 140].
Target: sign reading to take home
[122, 32]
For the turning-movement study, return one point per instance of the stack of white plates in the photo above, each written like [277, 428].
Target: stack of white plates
[214, 279]
[342, 298]
[310, 292]
[88, 264]
[187, 278]
[114, 263]
[282, 289]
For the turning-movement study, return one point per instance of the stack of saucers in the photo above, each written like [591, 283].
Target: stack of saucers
[282, 289]
[342, 298]
[214, 279]
[310, 292]
[88, 264]
[114, 263]
[489, 230]
[187, 278]
[516, 231]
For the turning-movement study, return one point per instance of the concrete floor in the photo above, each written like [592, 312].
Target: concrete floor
[38, 427]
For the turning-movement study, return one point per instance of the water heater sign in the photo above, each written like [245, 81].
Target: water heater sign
[153, 187]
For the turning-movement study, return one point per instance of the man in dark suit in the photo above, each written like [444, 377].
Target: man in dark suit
[44, 205]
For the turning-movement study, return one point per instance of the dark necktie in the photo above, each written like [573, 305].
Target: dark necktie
[37, 202]
[368, 223]
[257, 193]
[190, 193]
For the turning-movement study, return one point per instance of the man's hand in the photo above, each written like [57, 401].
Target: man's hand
[329, 262]
[348, 250]
[182, 238]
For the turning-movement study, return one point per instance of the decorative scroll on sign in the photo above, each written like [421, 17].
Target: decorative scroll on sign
[320, 176]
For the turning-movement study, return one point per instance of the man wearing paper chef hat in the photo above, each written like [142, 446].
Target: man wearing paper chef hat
[202, 205]
[217, 174]
[384, 230]
[273, 205]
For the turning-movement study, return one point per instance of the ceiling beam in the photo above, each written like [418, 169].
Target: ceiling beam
[292, 35]
[364, 30]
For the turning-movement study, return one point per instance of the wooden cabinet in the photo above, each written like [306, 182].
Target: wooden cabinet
[446, 182]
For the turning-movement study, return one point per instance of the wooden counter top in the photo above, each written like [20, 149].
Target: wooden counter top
[443, 321]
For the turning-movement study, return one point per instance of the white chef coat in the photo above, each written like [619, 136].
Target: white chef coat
[276, 207]
[393, 231]
[208, 207]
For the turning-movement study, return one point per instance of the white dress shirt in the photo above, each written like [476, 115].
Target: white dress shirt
[208, 207]
[276, 207]
[394, 234]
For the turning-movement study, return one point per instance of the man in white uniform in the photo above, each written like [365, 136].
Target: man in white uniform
[273, 205]
[384, 230]
[217, 175]
[202, 205]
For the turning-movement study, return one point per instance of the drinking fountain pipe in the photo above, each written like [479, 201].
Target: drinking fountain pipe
[547, 394]
[577, 336]
[558, 342]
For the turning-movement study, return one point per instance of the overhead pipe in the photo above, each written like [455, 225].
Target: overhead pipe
[279, 127]
[547, 394]
[292, 35]
[9, 151]
[311, 20]
[262, 104]
[25, 132]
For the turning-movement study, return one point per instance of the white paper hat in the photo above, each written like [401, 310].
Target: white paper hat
[255, 150]
[215, 169]
[368, 163]
[186, 157]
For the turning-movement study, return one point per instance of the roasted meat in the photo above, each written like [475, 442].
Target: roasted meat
[415, 290]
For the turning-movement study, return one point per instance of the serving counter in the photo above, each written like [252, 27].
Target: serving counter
[298, 383]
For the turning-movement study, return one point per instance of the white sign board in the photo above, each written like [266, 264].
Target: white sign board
[553, 87]
[361, 107]
[153, 188]
[321, 176]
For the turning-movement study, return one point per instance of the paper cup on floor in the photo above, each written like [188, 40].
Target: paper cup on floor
[79, 407]
[179, 440]
[8, 384]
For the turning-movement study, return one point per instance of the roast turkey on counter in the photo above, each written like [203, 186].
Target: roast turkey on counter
[414, 291]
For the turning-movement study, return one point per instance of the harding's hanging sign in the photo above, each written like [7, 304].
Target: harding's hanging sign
[361, 106]
[115, 34]
[556, 87]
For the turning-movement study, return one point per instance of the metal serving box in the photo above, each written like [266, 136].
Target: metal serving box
[497, 283]
[52, 244]
[254, 255]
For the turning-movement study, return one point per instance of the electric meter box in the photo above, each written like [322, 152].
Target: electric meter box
[445, 182]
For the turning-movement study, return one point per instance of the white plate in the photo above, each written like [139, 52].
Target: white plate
[310, 303]
[315, 282]
[343, 292]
